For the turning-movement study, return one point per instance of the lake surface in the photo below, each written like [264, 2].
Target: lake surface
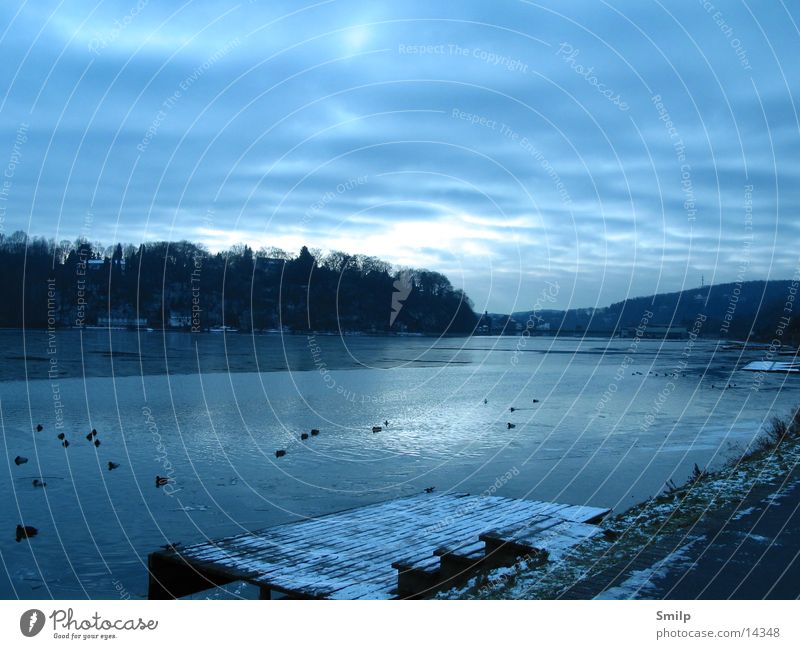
[613, 421]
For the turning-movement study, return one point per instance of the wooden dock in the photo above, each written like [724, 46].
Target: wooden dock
[408, 547]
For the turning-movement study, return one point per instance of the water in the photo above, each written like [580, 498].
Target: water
[210, 410]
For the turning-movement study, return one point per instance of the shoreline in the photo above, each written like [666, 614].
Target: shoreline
[754, 344]
[654, 539]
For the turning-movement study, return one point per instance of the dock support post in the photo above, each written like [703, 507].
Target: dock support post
[264, 592]
[171, 577]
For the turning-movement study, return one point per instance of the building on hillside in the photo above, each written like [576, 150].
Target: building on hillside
[121, 321]
[657, 331]
[179, 321]
[484, 325]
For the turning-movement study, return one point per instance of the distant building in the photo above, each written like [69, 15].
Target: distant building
[100, 264]
[119, 321]
[271, 263]
[505, 326]
[179, 321]
[658, 331]
[484, 325]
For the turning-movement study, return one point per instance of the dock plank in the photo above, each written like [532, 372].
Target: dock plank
[350, 554]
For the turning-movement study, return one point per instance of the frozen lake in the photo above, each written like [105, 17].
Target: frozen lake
[612, 423]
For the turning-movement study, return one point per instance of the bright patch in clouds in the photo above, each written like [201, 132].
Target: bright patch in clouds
[356, 37]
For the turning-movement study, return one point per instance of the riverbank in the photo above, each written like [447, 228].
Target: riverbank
[732, 533]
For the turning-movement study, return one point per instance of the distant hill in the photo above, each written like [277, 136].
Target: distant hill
[732, 311]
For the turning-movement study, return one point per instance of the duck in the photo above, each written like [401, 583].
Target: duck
[536, 400]
[172, 547]
[61, 436]
[39, 428]
[314, 432]
[89, 436]
[386, 423]
[510, 425]
[512, 408]
[112, 466]
[430, 490]
[376, 429]
[39, 483]
[161, 481]
[65, 443]
[97, 442]
[304, 436]
[94, 432]
[20, 460]
[280, 453]
[485, 401]
[25, 532]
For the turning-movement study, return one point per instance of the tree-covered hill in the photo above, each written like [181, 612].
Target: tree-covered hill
[183, 285]
[762, 310]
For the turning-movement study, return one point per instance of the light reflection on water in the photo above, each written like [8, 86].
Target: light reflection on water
[220, 429]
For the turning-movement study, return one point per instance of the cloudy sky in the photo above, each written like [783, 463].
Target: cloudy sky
[611, 148]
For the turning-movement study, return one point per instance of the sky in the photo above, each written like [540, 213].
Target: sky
[540, 154]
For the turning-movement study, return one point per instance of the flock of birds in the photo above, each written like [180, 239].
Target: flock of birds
[28, 531]
[377, 429]
[303, 436]
[281, 452]
[509, 425]
[674, 375]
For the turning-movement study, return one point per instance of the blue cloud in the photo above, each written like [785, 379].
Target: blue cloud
[608, 147]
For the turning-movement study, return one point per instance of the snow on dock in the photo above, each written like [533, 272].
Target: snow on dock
[401, 548]
[773, 366]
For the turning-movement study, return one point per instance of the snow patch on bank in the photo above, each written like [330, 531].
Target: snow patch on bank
[640, 582]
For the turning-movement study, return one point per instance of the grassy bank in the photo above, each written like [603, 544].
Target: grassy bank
[679, 513]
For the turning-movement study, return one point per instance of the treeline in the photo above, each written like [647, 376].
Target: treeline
[183, 285]
[761, 310]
